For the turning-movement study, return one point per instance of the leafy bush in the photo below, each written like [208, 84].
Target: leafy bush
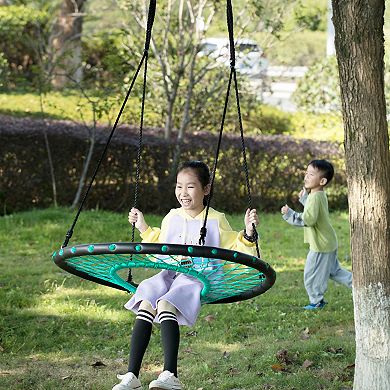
[105, 57]
[276, 165]
[263, 119]
[4, 71]
[312, 15]
[20, 25]
[318, 126]
[319, 90]
[298, 49]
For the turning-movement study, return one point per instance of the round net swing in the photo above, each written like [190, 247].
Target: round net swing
[227, 276]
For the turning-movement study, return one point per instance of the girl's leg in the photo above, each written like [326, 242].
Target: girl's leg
[142, 331]
[170, 335]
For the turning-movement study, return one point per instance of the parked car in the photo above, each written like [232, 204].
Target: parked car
[250, 58]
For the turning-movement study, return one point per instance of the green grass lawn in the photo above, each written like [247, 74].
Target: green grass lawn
[61, 332]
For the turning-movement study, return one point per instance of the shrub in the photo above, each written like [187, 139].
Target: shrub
[276, 165]
[4, 71]
[298, 49]
[319, 90]
[318, 126]
[20, 25]
[263, 119]
[312, 15]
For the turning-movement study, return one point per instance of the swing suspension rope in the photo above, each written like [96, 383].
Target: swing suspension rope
[227, 276]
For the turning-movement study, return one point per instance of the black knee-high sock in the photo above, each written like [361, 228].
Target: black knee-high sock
[140, 338]
[170, 337]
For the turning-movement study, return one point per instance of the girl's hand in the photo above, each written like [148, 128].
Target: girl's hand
[250, 219]
[284, 209]
[136, 217]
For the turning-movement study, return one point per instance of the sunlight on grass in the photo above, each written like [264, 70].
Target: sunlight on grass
[56, 326]
[56, 105]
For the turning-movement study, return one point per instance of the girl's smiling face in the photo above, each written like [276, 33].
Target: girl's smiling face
[190, 192]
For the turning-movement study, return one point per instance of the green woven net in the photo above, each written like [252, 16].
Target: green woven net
[221, 278]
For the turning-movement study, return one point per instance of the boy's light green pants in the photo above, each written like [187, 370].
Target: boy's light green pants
[319, 268]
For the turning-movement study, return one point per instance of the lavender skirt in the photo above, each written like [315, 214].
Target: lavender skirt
[178, 289]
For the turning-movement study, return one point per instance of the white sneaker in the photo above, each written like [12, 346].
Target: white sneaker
[165, 381]
[128, 382]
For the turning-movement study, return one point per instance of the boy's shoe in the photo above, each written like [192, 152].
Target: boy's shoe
[315, 306]
[128, 382]
[165, 381]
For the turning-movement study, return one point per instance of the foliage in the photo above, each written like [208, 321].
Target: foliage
[4, 71]
[276, 165]
[20, 25]
[299, 48]
[264, 119]
[105, 58]
[327, 126]
[257, 118]
[62, 332]
[312, 15]
[319, 90]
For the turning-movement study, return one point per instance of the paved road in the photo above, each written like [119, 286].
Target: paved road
[282, 83]
[280, 95]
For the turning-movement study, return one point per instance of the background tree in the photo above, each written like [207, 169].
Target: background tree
[360, 53]
[65, 42]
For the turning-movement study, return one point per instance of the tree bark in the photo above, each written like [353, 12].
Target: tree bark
[65, 43]
[360, 50]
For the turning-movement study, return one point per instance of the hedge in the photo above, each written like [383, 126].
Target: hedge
[276, 165]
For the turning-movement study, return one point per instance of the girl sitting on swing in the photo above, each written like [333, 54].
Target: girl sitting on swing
[171, 298]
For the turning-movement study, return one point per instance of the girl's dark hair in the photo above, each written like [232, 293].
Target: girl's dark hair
[199, 167]
[325, 167]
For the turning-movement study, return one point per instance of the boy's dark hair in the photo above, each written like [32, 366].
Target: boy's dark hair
[199, 167]
[325, 167]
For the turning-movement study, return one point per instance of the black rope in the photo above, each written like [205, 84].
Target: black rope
[151, 15]
[148, 37]
[138, 167]
[233, 73]
[203, 230]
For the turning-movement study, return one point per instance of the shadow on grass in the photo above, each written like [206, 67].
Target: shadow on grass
[29, 114]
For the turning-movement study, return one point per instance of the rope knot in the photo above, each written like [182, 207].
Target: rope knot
[203, 232]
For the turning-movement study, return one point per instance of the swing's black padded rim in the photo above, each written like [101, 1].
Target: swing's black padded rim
[124, 248]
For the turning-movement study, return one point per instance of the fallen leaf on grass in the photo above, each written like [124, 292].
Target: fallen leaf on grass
[336, 351]
[233, 371]
[283, 357]
[193, 333]
[65, 377]
[189, 350]
[98, 364]
[305, 334]
[307, 364]
[350, 367]
[209, 318]
[278, 368]
[226, 355]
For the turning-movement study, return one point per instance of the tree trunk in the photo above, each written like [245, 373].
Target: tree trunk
[65, 43]
[360, 51]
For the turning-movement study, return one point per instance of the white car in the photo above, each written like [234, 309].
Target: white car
[250, 58]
